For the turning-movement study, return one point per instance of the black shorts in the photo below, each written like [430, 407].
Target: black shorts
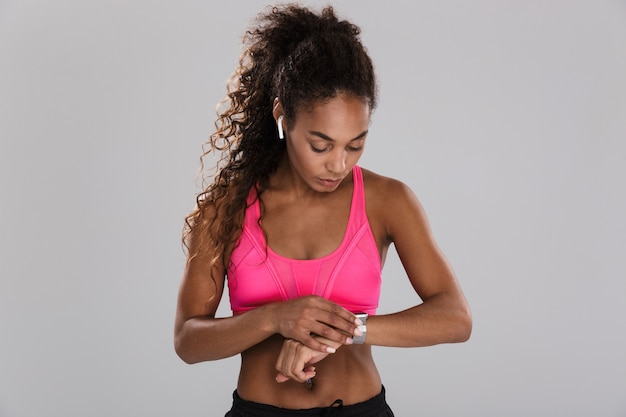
[374, 407]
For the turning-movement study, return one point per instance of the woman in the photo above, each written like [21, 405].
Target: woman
[299, 231]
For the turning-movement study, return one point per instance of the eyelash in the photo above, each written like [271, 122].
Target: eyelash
[350, 148]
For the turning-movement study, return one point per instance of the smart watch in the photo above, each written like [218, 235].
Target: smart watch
[359, 340]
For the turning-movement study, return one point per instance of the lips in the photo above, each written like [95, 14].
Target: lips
[329, 182]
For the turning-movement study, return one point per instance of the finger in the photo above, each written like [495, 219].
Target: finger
[280, 378]
[291, 362]
[309, 372]
[318, 345]
[321, 309]
[321, 317]
[297, 359]
[341, 336]
[287, 358]
[339, 318]
[284, 360]
[334, 309]
[280, 360]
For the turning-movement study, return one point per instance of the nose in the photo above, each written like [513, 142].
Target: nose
[336, 162]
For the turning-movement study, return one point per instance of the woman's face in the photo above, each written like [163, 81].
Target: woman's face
[327, 139]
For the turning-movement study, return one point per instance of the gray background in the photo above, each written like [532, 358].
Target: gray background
[507, 118]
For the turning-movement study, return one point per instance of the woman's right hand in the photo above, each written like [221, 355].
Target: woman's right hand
[302, 318]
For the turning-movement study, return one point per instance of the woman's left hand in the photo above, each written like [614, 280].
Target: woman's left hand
[296, 360]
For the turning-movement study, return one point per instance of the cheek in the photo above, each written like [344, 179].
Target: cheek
[301, 156]
[353, 157]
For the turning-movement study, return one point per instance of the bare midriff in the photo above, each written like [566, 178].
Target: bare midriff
[348, 374]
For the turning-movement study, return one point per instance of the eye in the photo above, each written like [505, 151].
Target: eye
[356, 146]
[317, 150]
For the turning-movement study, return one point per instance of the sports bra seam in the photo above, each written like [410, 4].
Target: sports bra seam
[330, 284]
[271, 268]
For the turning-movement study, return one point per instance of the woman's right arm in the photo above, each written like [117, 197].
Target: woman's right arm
[200, 336]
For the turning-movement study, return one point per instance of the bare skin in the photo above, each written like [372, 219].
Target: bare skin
[284, 344]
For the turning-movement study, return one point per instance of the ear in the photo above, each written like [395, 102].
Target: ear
[277, 110]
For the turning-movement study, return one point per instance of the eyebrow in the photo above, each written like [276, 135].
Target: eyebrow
[328, 138]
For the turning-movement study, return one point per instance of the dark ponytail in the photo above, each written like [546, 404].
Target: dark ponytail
[298, 56]
[322, 56]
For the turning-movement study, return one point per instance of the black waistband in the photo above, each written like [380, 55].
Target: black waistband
[374, 407]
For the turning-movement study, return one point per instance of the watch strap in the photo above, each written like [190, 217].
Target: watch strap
[359, 340]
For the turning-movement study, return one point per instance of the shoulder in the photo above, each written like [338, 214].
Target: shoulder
[392, 204]
[213, 229]
[380, 189]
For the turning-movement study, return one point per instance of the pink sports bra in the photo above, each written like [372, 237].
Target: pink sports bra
[349, 276]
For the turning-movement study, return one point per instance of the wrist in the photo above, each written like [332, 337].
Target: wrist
[266, 318]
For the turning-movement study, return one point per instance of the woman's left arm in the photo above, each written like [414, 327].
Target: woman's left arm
[444, 315]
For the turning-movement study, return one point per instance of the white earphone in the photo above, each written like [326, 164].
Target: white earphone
[279, 122]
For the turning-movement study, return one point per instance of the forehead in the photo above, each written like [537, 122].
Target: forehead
[344, 111]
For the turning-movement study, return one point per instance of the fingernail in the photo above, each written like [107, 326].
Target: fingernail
[349, 341]
[330, 349]
[358, 332]
[358, 322]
